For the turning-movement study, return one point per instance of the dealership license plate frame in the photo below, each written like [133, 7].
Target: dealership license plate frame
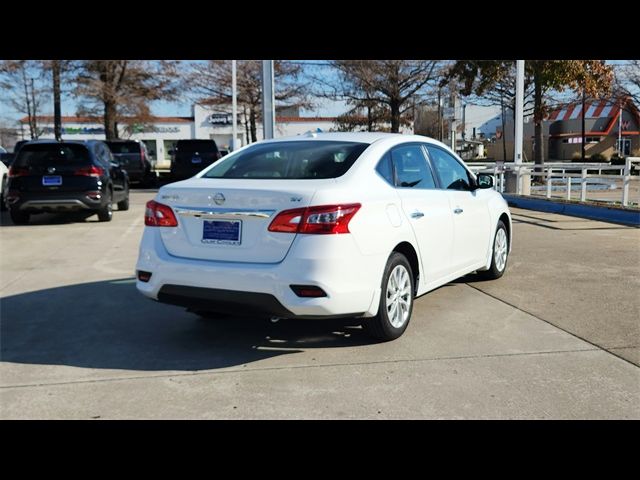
[222, 232]
[52, 180]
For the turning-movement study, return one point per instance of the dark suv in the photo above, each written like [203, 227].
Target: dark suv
[133, 157]
[191, 156]
[67, 176]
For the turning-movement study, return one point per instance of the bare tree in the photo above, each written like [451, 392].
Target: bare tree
[210, 84]
[21, 79]
[627, 80]
[121, 90]
[391, 85]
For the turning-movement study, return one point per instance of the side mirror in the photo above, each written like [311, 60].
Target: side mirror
[485, 180]
[172, 151]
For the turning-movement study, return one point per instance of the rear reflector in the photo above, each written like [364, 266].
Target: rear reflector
[94, 195]
[308, 291]
[144, 276]
[159, 215]
[324, 219]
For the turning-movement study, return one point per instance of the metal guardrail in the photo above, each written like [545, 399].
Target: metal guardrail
[559, 170]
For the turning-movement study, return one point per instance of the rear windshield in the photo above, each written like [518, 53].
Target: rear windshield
[52, 154]
[312, 159]
[124, 147]
[200, 146]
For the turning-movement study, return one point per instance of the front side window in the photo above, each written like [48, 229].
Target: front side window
[305, 160]
[411, 168]
[452, 174]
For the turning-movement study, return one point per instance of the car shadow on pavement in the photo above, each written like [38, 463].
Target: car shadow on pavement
[51, 218]
[109, 325]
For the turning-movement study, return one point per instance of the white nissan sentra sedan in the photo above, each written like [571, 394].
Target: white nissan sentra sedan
[323, 225]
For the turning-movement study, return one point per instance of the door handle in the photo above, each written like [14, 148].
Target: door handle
[417, 215]
[458, 211]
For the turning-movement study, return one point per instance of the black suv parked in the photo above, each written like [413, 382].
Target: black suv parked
[50, 176]
[133, 157]
[191, 156]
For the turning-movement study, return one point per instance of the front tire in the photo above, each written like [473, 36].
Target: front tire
[396, 300]
[499, 255]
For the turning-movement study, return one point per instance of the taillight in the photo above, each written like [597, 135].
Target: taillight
[325, 219]
[18, 171]
[91, 171]
[159, 215]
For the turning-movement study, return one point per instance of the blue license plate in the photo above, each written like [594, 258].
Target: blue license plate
[222, 232]
[196, 160]
[51, 180]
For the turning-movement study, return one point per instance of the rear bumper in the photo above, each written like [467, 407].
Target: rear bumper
[333, 263]
[63, 202]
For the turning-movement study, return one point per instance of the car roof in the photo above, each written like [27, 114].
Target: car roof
[54, 142]
[361, 137]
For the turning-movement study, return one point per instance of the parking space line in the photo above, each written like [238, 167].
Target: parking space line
[554, 325]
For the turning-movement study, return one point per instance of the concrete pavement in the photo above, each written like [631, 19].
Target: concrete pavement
[556, 337]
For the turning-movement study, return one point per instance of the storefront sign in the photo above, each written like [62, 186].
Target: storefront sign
[220, 118]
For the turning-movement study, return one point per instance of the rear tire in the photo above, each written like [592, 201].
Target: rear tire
[124, 204]
[396, 300]
[499, 255]
[18, 217]
[105, 214]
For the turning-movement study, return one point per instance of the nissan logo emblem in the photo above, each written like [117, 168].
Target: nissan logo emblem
[219, 198]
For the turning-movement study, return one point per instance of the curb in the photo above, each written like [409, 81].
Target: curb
[592, 212]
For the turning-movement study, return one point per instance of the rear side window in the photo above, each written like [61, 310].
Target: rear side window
[124, 147]
[313, 159]
[412, 170]
[385, 169]
[193, 146]
[52, 155]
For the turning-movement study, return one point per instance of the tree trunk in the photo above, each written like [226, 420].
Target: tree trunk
[35, 134]
[395, 116]
[27, 98]
[252, 124]
[538, 116]
[57, 114]
[110, 125]
[369, 119]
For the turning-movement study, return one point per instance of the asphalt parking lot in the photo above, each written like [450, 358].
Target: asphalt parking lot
[557, 337]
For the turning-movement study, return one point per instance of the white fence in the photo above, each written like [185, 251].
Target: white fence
[559, 173]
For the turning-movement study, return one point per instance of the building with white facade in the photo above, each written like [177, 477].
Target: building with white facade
[161, 133]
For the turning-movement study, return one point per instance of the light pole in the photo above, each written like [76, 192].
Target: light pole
[234, 106]
[268, 100]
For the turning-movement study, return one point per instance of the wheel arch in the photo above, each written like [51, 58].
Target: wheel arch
[406, 249]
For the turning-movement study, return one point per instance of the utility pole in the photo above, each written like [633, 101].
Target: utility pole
[268, 100]
[453, 125]
[464, 127]
[439, 114]
[234, 106]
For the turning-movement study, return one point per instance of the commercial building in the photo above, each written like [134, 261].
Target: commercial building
[160, 133]
[606, 122]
